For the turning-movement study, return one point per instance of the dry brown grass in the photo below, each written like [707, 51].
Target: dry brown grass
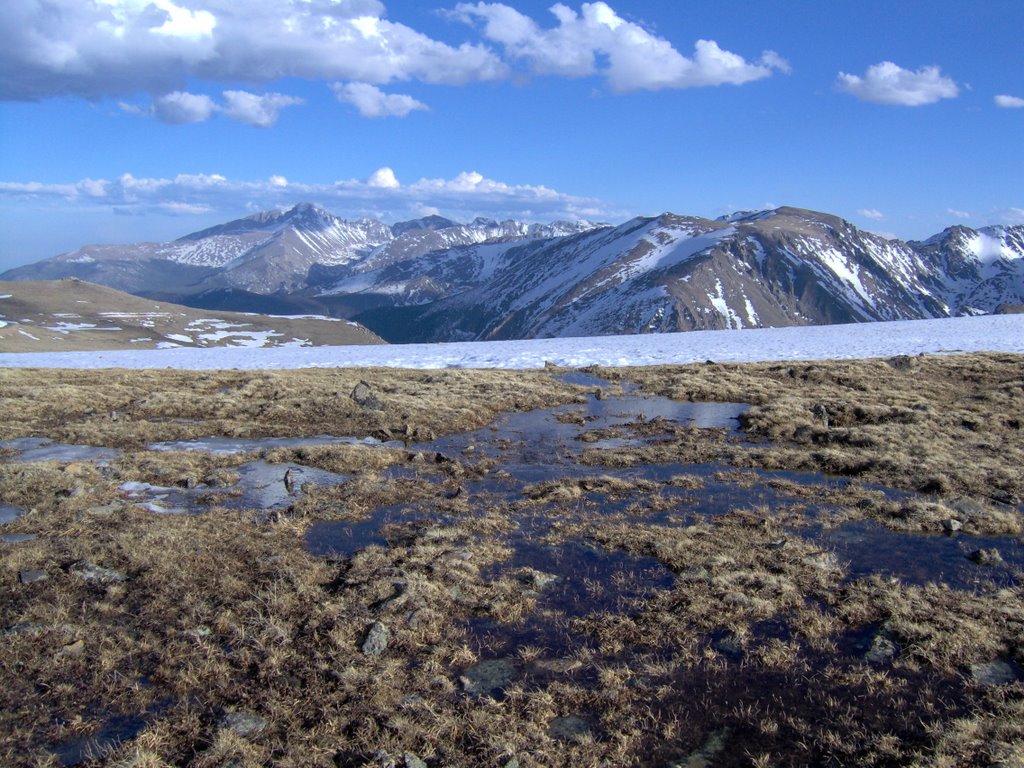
[747, 658]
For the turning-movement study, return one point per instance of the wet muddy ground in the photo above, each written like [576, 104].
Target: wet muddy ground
[559, 587]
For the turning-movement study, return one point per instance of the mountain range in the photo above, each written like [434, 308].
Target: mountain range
[434, 279]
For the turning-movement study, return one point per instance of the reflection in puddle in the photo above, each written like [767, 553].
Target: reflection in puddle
[570, 580]
[231, 445]
[114, 732]
[261, 485]
[919, 558]
[9, 513]
[31, 449]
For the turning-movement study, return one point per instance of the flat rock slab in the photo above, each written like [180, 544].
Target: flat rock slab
[488, 677]
[33, 575]
[245, 724]
[569, 728]
[994, 673]
[92, 572]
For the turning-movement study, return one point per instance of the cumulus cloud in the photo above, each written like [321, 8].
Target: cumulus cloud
[871, 213]
[259, 110]
[1009, 102]
[466, 195]
[121, 47]
[371, 101]
[178, 108]
[596, 40]
[888, 83]
[958, 214]
[181, 107]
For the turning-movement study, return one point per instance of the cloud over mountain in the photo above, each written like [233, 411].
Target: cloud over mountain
[382, 194]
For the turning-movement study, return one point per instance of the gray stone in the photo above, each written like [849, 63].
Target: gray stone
[488, 676]
[569, 728]
[245, 724]
[413, 761]
[92, 572]
[952, 525]
[377, 639]
[363, 396]
[985, 556]
[993, 673]
[33, 575]
[882, 650]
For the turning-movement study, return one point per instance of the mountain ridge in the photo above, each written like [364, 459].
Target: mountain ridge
[433, 279]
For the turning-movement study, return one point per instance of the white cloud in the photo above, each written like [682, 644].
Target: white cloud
[121, 47]
[383, 178]
[887, 83]
[259, 110]
[1012, 215]
[958, 214]
[178, 108]
[599, 41]
[464, 196]
[1009, 102]
[373, 102]
[871, 213]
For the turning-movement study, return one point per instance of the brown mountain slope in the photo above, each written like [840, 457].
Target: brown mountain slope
[73, 315]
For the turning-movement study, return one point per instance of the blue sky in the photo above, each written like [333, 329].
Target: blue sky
[128, 120]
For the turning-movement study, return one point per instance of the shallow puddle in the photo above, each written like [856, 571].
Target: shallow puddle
[31, 449]
[261, 486]
[227, 446]
[9, 513]
[920, 558]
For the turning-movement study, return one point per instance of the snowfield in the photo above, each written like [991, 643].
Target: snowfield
[993, 333]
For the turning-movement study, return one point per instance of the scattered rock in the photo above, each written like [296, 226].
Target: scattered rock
[729, 645]
[413, 761]
[993, 673]
[363, 396]
[952, 525]
[984, 556]
[76, 648]
[1004, 497]
[244, 724]
[569, 728]
[488, 677]
[901, 362]
[33, 575]
[377, 639]
[92, 572]
[821, 412]
[882, 651]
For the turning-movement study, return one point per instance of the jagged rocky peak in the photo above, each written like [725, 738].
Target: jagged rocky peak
[301, 216]
[430, 223]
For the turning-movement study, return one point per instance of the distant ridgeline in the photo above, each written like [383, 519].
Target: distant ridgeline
[433, 279]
